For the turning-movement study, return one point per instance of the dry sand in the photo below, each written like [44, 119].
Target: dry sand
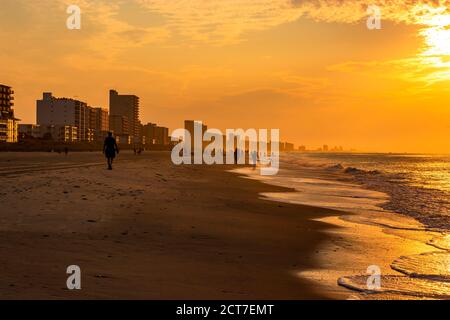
[150, 230]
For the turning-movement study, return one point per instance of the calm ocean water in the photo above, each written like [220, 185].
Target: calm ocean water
[418, 185]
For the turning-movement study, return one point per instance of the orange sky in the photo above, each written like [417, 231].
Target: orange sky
[310, 68]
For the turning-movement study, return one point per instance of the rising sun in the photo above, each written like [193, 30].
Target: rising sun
[436, 51]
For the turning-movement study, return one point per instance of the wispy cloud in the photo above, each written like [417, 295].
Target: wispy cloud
[215, 22]
[227, 21]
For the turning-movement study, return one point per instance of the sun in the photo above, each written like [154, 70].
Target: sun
[437, 36]
[435, 53]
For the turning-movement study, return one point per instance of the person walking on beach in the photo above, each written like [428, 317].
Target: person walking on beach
[110, 149]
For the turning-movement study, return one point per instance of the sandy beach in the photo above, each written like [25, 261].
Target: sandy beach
[150, 230]
[153, 230]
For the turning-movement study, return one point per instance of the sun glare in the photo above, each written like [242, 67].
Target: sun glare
[436, 51]
[437, 36]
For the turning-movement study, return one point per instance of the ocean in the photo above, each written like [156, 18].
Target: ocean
[407, 196]
[417, 185]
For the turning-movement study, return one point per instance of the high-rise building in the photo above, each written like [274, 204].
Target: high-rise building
[155, 135]
[53, 111]
[126, 106]
[189, 126]
[99, 122]
[60, 133]
[289, 147]
[8, 123]
[119, 125]
[29, 131]
[148, 132]
[162, 136]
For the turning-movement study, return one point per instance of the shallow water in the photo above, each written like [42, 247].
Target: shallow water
[417, 185]
[376, 189]
[399, 285]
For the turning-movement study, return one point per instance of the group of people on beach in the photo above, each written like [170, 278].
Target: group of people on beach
[110, 149]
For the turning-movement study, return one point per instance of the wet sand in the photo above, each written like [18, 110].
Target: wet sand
[413, 260]
[151, 230]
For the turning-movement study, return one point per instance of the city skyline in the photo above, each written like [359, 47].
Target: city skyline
[315, 71]
[70, 120]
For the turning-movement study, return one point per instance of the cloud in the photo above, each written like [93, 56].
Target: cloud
[112, 26]
[426, 70]
[227, 21]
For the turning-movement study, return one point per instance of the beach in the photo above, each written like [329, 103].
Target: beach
[149, 230]
[153, 230]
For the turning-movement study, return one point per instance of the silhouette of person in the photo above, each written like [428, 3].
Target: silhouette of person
[110, 149]
[66, 151]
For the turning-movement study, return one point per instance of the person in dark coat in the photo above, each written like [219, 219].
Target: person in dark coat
[110, 149]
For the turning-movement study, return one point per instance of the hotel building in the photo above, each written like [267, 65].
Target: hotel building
[189, 126]
[155, 135]
[65, 112]
[8, 123]
[125, 106]
[99, 121]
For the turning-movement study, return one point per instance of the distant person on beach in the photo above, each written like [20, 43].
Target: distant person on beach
[110, 149]
[66, 151]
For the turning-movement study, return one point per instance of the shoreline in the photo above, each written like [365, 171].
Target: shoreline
[366, 238]
[164, 232]
[152, 230]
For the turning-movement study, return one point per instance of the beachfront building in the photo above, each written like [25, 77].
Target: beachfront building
[189, 126]
[162, 136]
[8, 123]
[148, 133]
[63, 113]
[29, 132]
[118, 125]
[286, 146]
[155, 135]
[289, 147]
[99, 122]
[127, 107]
[60, 133]
[123, 139]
